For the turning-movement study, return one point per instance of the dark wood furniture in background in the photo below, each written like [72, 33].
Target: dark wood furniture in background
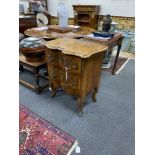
[111, 43]
[82, 32]
[75, 66]
[26, 22]
[33, 67]
[29, 19]
[86, 15]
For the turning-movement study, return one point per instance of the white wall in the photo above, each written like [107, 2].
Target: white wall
[112, 7]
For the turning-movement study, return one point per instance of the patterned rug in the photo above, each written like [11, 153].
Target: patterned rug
[119, 66]
[38, 137]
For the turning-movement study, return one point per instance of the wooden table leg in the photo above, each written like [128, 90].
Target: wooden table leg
[36, 71]
[37, 77]
[117, 55]
[116, 59]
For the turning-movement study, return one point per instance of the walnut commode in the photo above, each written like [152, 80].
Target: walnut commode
[75, 66]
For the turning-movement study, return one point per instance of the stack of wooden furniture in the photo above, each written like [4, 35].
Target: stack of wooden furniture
[86, 15]
[32, 58]
[75, 66]
[34, 68]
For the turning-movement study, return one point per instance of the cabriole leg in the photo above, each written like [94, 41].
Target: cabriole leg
[94, 94]
[80, 106]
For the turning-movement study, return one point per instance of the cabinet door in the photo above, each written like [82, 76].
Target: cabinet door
[53, 67]
[70, 72]
[69, 80]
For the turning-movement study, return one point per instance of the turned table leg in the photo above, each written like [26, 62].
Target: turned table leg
[37, 77]
[80, 106]
[37, 81]
[94, 94]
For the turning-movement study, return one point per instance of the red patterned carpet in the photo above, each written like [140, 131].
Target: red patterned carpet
[38, 137]
[120, 64]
